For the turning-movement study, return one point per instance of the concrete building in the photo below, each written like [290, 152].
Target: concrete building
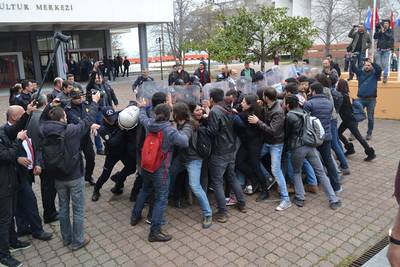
[27, 28]
[300, 8]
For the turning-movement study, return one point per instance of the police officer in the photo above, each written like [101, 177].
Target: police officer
[76, 111]
[24, 98]
[120, 146]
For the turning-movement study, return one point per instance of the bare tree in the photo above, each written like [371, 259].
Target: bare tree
[116, 43]
[333, 19]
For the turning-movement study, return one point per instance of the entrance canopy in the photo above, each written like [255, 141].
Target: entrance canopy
[31, 15]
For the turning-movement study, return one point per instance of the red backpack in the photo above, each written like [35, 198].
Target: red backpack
[152, 155]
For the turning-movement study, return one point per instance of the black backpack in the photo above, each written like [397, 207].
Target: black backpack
[203, 145]
[57, 157]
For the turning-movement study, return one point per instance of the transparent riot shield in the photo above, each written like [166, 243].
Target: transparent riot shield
[185, 93]
[224, 85]
[147, 89]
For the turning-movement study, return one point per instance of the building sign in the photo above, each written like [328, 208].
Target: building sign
[70, 11]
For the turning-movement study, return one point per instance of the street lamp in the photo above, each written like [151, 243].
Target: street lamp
[159, 41]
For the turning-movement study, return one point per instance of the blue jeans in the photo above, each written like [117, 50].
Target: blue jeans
[325, 151]
[159, 182]
[73, 191]
[194, 171]
[382, 59]
[97, 139]
[370, 104]
[27, 213]
[307, 168]
[276, 154]
[337, 146]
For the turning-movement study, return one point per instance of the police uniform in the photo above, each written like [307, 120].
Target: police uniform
[23, 99]
[76, 113]
[120, 145]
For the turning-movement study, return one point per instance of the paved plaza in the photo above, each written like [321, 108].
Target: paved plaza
[310, 236]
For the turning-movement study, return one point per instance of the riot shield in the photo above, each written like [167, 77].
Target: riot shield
[224, 85]
[147, 89]
[186, 93]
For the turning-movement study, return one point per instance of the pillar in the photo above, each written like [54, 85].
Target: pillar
[60, 57]
[143, 46]
[107, 37]
[35, 57]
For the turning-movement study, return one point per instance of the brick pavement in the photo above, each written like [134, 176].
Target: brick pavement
[309, 236]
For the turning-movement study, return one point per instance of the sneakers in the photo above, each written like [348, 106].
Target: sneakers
[248, 190]
[285, 204]
[264, 195]
[207, 221]
[231, 201]
[340, 190]
[10, 262]
[19, 245]
[159, 237]
[299, 202]
[96, 195]
[368, 137]
[84, 244]
[335, 205]
[44, 236]
[220, 217]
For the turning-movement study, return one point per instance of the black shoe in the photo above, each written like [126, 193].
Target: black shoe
[84, 244]
[101, 153]
[335, 205]
[96, 195]
[24, 233]
[114, 177]
[179, 204]
[159, 237]
[241, 207]
[117, 190]
[90, 180]
[370, 154]
[299, 202]
[132, 197]
[52, 219]
[135, 221]
[270, 182]
[10, 262]
[44, 236]
[264, 195]
[19, 245]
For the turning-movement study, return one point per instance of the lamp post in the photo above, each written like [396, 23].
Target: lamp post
[159, 41]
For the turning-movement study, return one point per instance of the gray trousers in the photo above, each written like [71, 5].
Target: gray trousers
[311, 154]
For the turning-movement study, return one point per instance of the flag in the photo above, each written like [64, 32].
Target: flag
[391, 20]
[368, 19]
[376, 20]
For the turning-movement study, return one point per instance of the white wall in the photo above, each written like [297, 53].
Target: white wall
[56, 11]
[300, 8]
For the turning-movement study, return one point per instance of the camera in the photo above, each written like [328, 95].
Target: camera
[94, 91]
[62, 38]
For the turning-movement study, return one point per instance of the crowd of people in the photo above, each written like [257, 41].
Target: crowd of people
[232, 143]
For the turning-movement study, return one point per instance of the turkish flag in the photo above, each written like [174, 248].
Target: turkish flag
[376, 20]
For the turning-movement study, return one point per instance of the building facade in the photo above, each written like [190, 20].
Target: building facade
[27, 28]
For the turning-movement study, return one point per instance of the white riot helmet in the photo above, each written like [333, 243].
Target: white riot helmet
[128, 118]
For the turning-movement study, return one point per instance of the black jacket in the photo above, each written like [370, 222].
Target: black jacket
[23, 99]
[293, 127]
[73, 136]
[346, 110]
[249, 134]
[385, 39]
[140, 80]
[272, 124]
[252, 74]
[76, 113]
[108, 97]
[221, 130]
[203, 79]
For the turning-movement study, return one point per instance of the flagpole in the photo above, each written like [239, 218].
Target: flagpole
[373, 30]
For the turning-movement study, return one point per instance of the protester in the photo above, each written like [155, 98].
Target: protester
[348, 122]
[14, 91]
[295, 69]
[368, 77]
[64, 96]
[300, 152]
[24, 98]
[333, 64]
[65, 166]
[385, 45]
[57, 87]
[318, 105]
[330, 72]
[71, 80]
[222, 160]
[159, 140]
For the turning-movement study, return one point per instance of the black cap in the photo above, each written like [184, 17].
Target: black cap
[110, 114]
[76, 93]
